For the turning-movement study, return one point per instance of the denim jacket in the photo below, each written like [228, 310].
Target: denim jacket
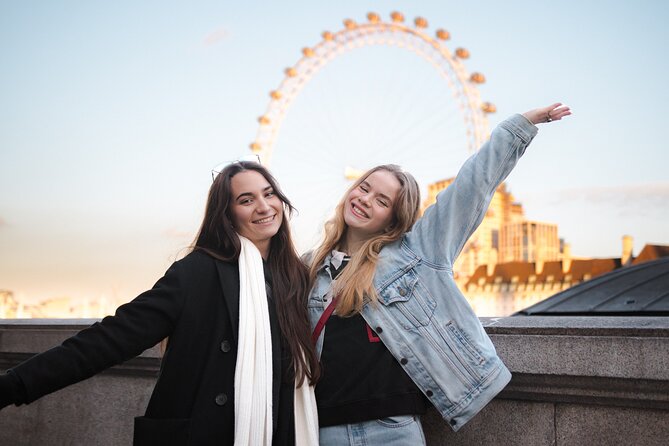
[421, 315]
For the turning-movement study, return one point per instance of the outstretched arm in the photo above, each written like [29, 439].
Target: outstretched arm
[442, 232]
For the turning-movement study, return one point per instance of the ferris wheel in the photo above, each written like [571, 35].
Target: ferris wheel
[356, 121]
[377, 32]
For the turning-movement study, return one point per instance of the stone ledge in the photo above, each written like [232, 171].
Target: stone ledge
[576, 380]
[578, 325]
[645, 394]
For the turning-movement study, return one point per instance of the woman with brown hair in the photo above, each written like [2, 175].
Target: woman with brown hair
[239, 366]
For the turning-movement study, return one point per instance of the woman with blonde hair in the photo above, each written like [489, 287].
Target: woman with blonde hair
[393, 331]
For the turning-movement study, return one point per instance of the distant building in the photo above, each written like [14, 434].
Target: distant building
[529, 241]
[639, 289]
[59, 307]
[9, 307]
[502, 289]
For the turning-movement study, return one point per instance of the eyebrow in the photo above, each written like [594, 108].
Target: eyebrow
[380, 194]
[251, 194]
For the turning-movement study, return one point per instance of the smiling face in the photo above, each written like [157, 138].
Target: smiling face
[368, 210]
[256, 211]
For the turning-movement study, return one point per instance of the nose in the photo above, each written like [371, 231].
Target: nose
[364, 200]
[262, 206]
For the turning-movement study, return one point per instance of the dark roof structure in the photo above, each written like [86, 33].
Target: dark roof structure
[641, 289]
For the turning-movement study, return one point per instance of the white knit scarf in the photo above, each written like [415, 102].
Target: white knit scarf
[253, 371]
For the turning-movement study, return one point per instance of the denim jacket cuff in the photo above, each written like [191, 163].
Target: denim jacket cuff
[520, 126]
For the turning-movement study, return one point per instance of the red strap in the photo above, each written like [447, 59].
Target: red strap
[371, 336]
[320, 325]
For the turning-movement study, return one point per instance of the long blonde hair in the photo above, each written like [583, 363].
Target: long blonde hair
[356, 281]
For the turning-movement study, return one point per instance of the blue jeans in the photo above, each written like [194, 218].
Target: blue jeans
[401, 430]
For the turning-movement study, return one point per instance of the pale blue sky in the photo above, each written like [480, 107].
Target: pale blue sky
[113, 113]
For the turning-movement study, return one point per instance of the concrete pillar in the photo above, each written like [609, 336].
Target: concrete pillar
[539, 262]
[566, 258]
[628, 247]
[492, 262]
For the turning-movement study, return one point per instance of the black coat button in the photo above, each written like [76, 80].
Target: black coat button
[429, 393]
[404, 361]
[221, 399]
[378, 330]
[453, 422]
[225, 346]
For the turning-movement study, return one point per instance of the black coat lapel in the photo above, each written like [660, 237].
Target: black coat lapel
[228, 274]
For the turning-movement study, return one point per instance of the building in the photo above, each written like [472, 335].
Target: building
[529, 241]
[505, 288]
[58, 307]
[9, 306]
[636, 290]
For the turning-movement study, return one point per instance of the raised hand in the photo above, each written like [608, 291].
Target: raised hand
[553, 112]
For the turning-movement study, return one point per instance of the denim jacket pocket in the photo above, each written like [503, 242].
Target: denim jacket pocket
[409, 300]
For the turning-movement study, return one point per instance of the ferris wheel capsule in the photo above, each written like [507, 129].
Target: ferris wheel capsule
[350, 24]
[488, 107]
[373, 17]
[442, 34]
[308, 52]
[462, 53]
[420, 22]
[275, 94]
[351, 173]
[290, 72]
[397, 17]
[327, 35]
[263, 120]
[255, 147]
[477, 78]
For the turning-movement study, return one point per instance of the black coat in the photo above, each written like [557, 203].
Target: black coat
[196, 304]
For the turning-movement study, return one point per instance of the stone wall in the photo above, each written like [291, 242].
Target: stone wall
[576, 381]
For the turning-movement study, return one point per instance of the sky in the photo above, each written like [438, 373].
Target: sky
[112, 115]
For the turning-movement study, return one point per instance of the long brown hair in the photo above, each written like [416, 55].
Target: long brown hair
[356, 281]
[290, 285]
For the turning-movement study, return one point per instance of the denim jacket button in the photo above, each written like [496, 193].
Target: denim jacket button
[404, 361]
[402, 291]
[429, 393]
[378, 330]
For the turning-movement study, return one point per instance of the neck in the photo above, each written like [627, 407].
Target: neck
[263, 247]
[351, 242]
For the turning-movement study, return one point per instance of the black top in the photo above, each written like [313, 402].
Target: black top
[361, 380]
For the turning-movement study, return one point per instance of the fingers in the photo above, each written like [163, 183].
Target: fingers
[559, 112]
[552, 107]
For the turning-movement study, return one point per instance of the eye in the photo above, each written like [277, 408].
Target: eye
[245, 201]
[270, 194]
[383, 203]
[364, 188]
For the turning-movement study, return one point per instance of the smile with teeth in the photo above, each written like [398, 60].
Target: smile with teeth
[264, 220]
[358, 211]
